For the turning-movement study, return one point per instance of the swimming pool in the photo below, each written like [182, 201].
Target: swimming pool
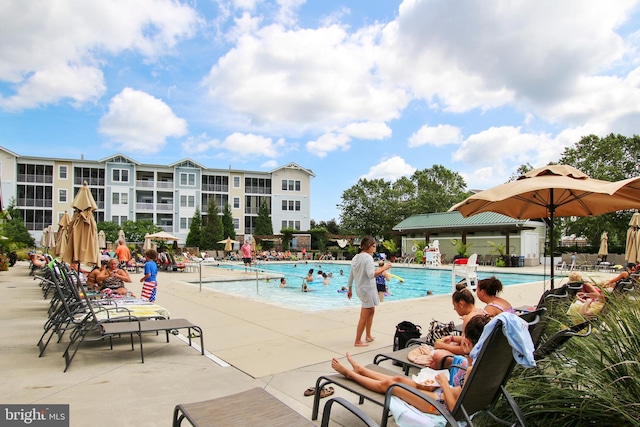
[416, 282]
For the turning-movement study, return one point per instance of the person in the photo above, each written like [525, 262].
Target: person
[429, 292]
[446, 391]
[310, 277]
[150, 278]
[82, 273]
[487, 291]
[343, 290]
[92, 282]
[381, 282]
[363, 272]
[304, 253]
[574, 261]
[283, 282]
[325, 279]
[114, 278]
[628, 269]
[246, 255]
[463, 304]
[123, 254]
[341, 272]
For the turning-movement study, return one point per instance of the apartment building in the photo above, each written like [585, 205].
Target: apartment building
[125, 189]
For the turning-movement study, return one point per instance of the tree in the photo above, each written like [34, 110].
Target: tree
[332, 226]
[365, 208]
[611, 158]
[227, 222]
[437, 188]
[263, 222]
[110, 230]
[136, 230]
[319, 238]
[522, 169]
[212, 231]
[13, 227]
[195, 230]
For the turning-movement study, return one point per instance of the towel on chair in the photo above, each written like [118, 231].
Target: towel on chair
[517, 332]
[149, 291]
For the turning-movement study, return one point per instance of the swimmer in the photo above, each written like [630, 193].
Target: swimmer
[283, 282]
[343, 289]
[341, 273]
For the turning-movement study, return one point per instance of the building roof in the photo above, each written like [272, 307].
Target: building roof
[454, 221]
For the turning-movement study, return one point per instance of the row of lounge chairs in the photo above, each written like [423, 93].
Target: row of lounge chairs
[72, 310]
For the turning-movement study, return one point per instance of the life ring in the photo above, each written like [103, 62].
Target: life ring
[414, 248]
[454, 242]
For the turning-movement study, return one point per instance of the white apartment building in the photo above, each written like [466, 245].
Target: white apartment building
[125, 189]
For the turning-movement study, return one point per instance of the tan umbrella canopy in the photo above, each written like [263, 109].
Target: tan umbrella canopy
[632, 250]
[228, 243]
[102, 239]
[148, 245]
[51, 238]
[82, 242]
[63, 234]
[43, 238]
[604, 246]
[161, 235]
[121, 236]
[550, 191]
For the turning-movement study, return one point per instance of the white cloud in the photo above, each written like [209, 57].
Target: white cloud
[367, 130]
[390, 169]
[54, 50]
[436, 136]
[138, 122]
[327, 143]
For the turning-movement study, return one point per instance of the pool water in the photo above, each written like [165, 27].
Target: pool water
[416, 282]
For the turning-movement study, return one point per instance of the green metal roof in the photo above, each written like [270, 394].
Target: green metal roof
[448, 220]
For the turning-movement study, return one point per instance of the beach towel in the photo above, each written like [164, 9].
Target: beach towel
[517, 332]
[149, 291]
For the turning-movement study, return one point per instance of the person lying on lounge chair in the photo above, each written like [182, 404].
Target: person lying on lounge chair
[440, 390]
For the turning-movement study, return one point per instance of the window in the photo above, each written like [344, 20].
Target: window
[192, 201]
[62, 196]
[297, 185]
[298, 205]
[183, 201]
[124, 198]
[122, 219]
[236, 202]
[188, 179]
[291, 224]
[284, 205]
[114, 219]
[284, 184]
[120, 175]
[290, 185]
[236, 224]
[62, 172]
[291, 204]
[115, 198]
[236, 182]
[185, 223]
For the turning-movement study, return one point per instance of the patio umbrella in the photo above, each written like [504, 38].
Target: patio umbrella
[161, 235]
[82, 242]
[228, 243]
[147, 243]
[43, 238]
[102, 239]
[633, 236]
[51, 238]
[121, 236]
[604, 246]
[551, 191]
[63, 234]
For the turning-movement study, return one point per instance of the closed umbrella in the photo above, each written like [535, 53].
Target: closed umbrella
[121, 236]
[551, 191]
[102, 239]
[43, 238]
[50, 242]
[631, 253]
[228, 243]
[148, 245]
[604, 246]
[63, 234]
[82, 242]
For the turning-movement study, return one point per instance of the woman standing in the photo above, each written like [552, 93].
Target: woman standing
[364, 271]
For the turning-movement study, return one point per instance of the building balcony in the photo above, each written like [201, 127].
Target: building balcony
[144, 206]
[164, 207]
[38, 203]
[44, 179]
[164, 184]
[145, 183]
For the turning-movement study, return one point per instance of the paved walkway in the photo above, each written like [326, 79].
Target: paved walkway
[250, 343]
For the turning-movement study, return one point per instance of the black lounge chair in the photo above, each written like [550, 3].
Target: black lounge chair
[483, 387]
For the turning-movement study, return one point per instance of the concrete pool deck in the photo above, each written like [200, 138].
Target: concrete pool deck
[251, 344]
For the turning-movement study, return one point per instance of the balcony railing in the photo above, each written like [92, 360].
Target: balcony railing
[165, 184]
[144, 206]
[164, 207]
[167, 228]
[215, 188]
[78, 180]
[146, 184]
[38, 203]
[45, 179]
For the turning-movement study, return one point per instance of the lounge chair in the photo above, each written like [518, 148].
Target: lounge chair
[254, 407]
[483, 387]
[559, 339]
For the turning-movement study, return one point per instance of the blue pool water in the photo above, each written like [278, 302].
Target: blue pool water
[324, 297]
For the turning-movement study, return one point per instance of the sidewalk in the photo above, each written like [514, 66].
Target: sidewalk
[252, 344]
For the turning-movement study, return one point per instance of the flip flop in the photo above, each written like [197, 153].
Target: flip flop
[361, 344]
[372, 339]
[310, 391]
[326, 391]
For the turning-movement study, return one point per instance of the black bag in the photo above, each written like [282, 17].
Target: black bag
[438, 330]
[404, 332]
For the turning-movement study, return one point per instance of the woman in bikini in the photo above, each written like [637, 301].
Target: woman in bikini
[441, 390]
[487, 291]
[464, 304]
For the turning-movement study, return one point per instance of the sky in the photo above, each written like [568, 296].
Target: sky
[348, 89]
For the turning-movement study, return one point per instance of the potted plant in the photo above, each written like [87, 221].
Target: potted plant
[462, 250]
[391, 247]
[499, 249]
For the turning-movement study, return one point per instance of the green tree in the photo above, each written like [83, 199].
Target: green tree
[227, 223]
[319, 238]
[110, 230]
[263, 222]
[437, 188]
[13, 227]
[611, 158]
[195, 230]
[287, 236]
[365, 208]
[332, 226]
[522, 169]
[136, 230]
[212, 231]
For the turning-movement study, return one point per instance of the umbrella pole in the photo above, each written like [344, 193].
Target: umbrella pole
[552, 209]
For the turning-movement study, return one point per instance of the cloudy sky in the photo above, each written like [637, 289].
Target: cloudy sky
[348, 89]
